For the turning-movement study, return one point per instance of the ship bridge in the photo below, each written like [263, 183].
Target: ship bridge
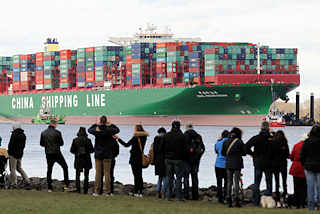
[150, 35]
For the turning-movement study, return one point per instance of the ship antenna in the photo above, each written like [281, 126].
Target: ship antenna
[258, 59]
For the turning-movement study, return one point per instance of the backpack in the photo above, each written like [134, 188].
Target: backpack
[195, 149]
[82, 151]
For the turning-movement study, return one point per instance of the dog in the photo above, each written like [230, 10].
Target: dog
[267, 202]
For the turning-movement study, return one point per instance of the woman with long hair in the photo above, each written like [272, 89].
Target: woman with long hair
[280, 154]
[137, 144]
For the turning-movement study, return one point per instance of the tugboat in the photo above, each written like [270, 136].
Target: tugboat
[274, 118]
[44, 116]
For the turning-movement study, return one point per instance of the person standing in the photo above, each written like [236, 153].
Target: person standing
[137, 144]
[174, 145]
[195, 150]
[82, 148]
[103, 152]
[220, 167]
[310, 160]
[261, 161]
[233, 149]
[51, 139]
[280, 154]
[159, 165]
[15, 150]
[299, 177]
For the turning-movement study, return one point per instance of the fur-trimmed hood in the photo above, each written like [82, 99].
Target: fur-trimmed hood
[141, 134]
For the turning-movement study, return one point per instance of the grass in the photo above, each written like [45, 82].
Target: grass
[37, 202]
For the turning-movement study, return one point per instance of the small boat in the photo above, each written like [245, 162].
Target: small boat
[45, 116]
[274, 118]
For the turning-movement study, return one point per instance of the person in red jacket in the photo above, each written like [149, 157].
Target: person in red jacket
[299, 178]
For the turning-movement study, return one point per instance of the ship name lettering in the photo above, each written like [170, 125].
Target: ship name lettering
[96, 100]
[68, 101]
[22, 103]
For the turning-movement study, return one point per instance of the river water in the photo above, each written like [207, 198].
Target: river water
[34, 161]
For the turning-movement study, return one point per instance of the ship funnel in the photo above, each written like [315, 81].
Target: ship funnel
[312, 107]
[297, 106]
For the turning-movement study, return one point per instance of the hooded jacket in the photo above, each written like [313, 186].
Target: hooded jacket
[103, 147]
[174, 145]
[296, 168]
[51, 140]
[309, 155]
[159, 164]
[234, 157]
[82, 148]
[261, 150]
[17, 143]
[190, 137]
[135, 152]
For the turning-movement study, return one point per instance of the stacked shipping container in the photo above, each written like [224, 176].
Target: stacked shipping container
[142, 64]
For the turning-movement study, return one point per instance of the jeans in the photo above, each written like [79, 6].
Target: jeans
[221, 175]
[300, 191]
[138, 180]
[86, 180]
[313, 188]
[15, 165]
[191, 169]
[233, 176]
[174, 167]
[283, 172]
[51, 159]
[106, 171]
[257, 181]
[162, 184]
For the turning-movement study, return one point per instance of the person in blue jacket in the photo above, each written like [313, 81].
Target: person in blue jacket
[220, 167]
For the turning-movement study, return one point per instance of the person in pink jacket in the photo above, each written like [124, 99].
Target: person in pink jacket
[299, 177]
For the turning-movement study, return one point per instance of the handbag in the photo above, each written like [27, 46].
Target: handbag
[145, 158]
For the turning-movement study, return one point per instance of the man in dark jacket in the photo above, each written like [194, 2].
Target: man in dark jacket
[233, 149]
[15, 150]
[261, 161]
[174, 146]
[51, 140]
[195, 150]
[103, 132]
[310, 160]
[159, 164]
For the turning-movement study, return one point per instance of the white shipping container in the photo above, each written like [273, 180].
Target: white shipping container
[39, 87]
[24, 76]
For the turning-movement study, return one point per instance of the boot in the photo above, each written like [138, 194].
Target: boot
[238, 203]
[163, 195]
[229, 201]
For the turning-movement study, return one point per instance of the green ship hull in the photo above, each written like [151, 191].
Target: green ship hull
[251, 99]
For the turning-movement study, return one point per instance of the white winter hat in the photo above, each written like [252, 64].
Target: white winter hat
[16, 125]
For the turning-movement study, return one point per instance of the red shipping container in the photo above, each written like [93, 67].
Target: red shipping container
[89, 76]
[49, 58]
[39, 55]
[128, 57]
[98, 84]
[64, 80]
[16, 65]
[91, 49]
[161, 45]
[209, 79]
[25, 57]
[47, 81]
[210, 51]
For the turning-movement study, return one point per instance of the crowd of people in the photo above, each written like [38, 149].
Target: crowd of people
[176, 156]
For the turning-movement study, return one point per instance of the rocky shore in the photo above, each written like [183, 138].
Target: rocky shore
[206, 194]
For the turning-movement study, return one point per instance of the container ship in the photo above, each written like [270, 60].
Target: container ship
[151, 78]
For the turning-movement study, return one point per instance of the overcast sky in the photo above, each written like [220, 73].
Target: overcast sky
[82, 23]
